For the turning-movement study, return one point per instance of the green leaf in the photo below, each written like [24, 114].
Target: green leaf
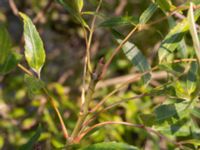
[173, 38]
[8, 59]
[10, 63]
[135, 56]
[34, 49]
[164, 4]
[30, 144]
[186, 85]
[110, 146]
[34, 85]
[165, 112]
[5, 45]
[196, 112]
[74, 8]
[119, 21]
[147, 14]
[148, 119]
[193, 32]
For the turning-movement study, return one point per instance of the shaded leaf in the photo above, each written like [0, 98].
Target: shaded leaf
[165, 112]
[34, 49]
[34, 85]
[110, 146]
[5, 45]
[147, 14]
[173, 38]
[119, 21]
[135, 56]
[30, 144]
[10, 63]
[148, 119]
[8, 59]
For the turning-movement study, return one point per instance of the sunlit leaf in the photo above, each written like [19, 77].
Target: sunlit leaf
[34, 49]
[193, 32]
[119, 21]
[135, 56]
[30, 144]
[147, 14]
[74, 8]
[110, 146]
[196, 112]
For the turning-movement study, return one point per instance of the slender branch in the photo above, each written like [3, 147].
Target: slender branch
[51, 101]
[39, 15]
[105, 67]
[148, 129]
[13, 7]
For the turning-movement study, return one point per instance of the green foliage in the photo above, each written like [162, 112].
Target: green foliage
[30, 144]
[135, 56]
[8, 58]
[34, 48]
[119, 21]
[34, 85]
[110, 146]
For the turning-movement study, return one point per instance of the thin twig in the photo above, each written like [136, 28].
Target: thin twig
[37, 18]
[13, 7]
[148, 129]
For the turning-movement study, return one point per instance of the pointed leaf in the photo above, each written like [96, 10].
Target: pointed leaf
[110, 146]
[135, 56]
[168, 111]
[34, 49]
[173, 38]
[147, 14]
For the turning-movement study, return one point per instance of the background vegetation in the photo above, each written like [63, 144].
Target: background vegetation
[164, 110]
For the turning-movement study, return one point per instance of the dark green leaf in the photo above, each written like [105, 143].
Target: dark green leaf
[119, 21]
[135, 56]
[147, 14]
[110, 146]
[5, 45]
[164, 4]
[34, 85]
[30, 144]
[8, 59]
[34, 49]
[173, 38]
[168, 111]
[10, 63]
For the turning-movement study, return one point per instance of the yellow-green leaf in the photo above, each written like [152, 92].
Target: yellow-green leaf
[34, 49]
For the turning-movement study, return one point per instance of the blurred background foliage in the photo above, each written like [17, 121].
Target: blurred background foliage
[20, 113]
